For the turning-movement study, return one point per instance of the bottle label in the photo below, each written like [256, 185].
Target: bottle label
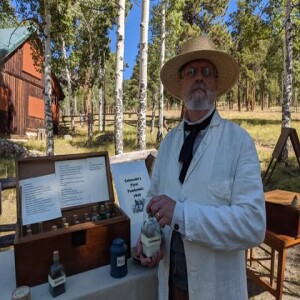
[120, 261]
[57, 281]
[150, 242]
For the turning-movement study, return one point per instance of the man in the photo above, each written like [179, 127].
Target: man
[206, 190]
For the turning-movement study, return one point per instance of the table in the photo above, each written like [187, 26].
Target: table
[140, 283]
[276, 242]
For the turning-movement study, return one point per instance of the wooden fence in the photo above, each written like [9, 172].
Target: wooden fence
[130, 118]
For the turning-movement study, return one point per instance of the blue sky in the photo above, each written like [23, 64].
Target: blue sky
[132, 34]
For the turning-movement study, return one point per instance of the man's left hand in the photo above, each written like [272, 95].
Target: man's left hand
[162, 207]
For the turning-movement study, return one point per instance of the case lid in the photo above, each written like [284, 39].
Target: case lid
[78, 179]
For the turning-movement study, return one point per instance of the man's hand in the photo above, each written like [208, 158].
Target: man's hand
[149, 261]
[162, 207]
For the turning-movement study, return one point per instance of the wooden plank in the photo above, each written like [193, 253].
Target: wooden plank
[8, 183]
[7, 240]
[132, 156]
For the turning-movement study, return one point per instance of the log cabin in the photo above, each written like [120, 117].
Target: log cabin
[22, 107]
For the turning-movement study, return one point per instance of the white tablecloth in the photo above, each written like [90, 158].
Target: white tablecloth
[139, 283]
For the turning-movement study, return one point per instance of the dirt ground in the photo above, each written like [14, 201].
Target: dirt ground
[291, 285]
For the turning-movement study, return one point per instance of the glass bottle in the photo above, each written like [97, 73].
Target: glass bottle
[86, 217]
[102, 214]
[118, 258]
[95, 215]
[150, 236]
[28, 230]
[56, 276]
[107, 210]
[54, 227]
[75, 220]
[40, 227]
[63, 221]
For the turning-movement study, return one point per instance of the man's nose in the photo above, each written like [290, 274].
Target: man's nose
[198, 76]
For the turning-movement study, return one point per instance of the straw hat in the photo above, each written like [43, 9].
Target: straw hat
[200, 48]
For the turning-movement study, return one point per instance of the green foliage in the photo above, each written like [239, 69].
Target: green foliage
[7, 15]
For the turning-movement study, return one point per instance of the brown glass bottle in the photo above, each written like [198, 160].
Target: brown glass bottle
[56, 276]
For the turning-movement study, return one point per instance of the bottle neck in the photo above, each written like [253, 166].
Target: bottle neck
[56, 257]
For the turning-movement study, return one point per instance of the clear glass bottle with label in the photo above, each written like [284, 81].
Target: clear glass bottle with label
[56, 276]
[150, 236]
[118, 258]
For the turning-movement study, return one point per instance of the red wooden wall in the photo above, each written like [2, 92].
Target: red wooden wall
[22, 106]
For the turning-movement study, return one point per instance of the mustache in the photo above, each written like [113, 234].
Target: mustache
[198, 85]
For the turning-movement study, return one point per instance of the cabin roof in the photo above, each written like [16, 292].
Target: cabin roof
[11, 39]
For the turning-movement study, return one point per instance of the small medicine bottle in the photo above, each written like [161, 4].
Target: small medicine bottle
[102, 214]
[54, 227]
[75, 220]
[95, 215]
[28, 230]
[86, 217]
[40, 227]
[118, 258]
[56, 276]
[107, 210]
[63, 221]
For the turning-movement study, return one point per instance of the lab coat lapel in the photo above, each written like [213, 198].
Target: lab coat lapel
[200, 152]
[205, 143]
[179, 140]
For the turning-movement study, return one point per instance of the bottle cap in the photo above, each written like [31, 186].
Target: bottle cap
[118, 242]
[21, 293]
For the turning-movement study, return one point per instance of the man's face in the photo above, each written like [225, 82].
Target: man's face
[198, 84]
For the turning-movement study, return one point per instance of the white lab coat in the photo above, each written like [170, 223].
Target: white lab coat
[224, 209]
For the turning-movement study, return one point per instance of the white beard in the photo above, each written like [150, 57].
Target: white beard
[198, 98]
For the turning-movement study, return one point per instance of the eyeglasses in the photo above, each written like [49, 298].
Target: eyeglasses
[191, 72]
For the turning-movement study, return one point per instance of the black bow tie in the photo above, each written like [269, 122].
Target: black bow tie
[186, 152]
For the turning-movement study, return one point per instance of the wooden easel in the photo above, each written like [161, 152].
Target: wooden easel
[285, 134]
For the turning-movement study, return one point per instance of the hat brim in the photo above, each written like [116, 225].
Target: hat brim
[227, 67]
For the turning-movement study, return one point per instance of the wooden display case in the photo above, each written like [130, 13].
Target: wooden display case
[82, 246]
[282, 217]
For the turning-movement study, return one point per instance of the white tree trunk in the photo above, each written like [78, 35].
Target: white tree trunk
[288, 59]
[161, 87]
[68, 77]
[100, 94]
[288, 75]
[48, 87]
[143, 76]
[119, 79]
